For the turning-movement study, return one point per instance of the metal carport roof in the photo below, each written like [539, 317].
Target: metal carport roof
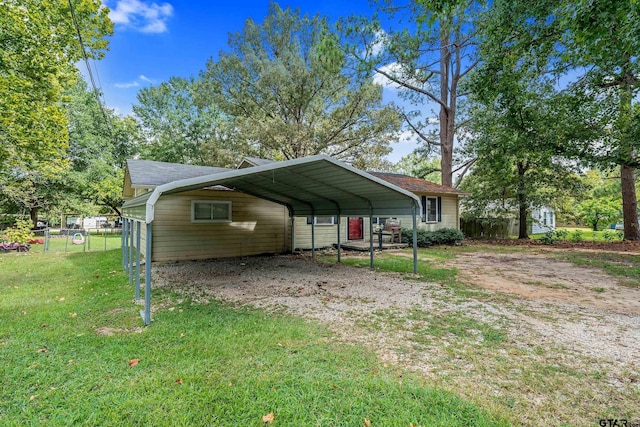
[315, 185]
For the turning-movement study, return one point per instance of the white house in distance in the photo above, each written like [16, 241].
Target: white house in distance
[543, 219]
[219, 221]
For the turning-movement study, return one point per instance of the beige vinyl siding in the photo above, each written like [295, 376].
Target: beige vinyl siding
[258, 226]
[450, 218]
[325, 235]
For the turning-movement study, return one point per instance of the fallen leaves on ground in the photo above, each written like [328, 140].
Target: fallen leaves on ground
[134, 362]
[268, 419]
[367, 422]
[42, 350]
[179, 381]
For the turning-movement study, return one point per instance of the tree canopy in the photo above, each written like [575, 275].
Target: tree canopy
[593, 47]
[38, 49]
[289, 93]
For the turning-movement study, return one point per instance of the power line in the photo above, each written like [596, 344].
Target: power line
[88, 65]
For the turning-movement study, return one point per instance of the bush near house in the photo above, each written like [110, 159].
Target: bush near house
[444, 236]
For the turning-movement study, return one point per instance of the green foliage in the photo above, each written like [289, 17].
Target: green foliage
[598, 211]
[98, 149]
[576, 236]
[550, 238]
[594, 43]
[610, 235]
[288, 93]
[416, 165]
[443, 236]
[38, 50]
[20, 233]
[182, 126]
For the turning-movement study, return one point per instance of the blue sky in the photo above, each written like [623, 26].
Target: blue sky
[154, 40]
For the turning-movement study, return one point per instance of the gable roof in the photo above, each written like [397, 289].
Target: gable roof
[254, 161]
[315, 185]
[150, 173]
[416, 185]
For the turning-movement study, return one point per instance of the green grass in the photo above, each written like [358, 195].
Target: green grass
[586, 234]
[428, 271]
[96, 244]
[204, 364]
[626, 266]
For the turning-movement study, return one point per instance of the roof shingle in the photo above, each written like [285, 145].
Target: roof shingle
[150, 173]
[415, 185]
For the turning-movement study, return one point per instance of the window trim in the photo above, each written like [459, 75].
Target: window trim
[334, 221]
[211, 202]
[438, 202]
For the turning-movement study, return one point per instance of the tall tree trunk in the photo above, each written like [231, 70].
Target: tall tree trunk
[629, 203]
[523, 206]
[33, 214]
[446, 134]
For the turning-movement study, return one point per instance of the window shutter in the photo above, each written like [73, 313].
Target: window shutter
[309, 220]
[439, 207]
[424, 208]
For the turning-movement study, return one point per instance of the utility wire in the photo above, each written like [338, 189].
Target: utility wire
[88, 65]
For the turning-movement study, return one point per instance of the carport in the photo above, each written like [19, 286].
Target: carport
[310, 186]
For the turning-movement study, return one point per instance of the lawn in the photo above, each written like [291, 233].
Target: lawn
[74, 351]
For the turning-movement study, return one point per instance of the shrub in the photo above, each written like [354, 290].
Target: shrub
[444, 236]
[562, 234]
[609, 235]
[576, 236]
[20, 233]
[550, 238]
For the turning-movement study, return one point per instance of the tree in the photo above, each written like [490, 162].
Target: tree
[428, 57]
[599, 210]
[181, 125]
[100, 143]
[420, 167]
[288, 93]
[597, 42]
[514, 132]
[38, 49]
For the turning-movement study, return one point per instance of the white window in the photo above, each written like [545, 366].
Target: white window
[210, 211]
[431, 209]
[323, 220]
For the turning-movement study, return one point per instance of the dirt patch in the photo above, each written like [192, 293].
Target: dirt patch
[532, 340]
[540, 276]
[108, 331]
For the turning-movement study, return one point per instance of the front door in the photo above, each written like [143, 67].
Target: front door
[355, 228]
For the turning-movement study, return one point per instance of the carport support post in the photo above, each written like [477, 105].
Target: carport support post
[415, 241]
[125, 242]
[339, 220]
[138, 228]
[313, 236]
[146, 316]
[131, 252]
[293, 232]
[371, 238]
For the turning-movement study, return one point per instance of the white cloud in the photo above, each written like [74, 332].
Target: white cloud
[142, 16]
[140, 81]
[377, 46]
[126, 85]
[393, 68]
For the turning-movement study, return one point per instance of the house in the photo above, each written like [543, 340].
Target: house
[182, 212]
[543, 219]
[266, 225]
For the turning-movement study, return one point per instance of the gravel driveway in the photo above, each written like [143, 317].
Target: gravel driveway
[557, 354]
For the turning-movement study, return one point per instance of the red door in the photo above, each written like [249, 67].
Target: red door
[355, 228]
